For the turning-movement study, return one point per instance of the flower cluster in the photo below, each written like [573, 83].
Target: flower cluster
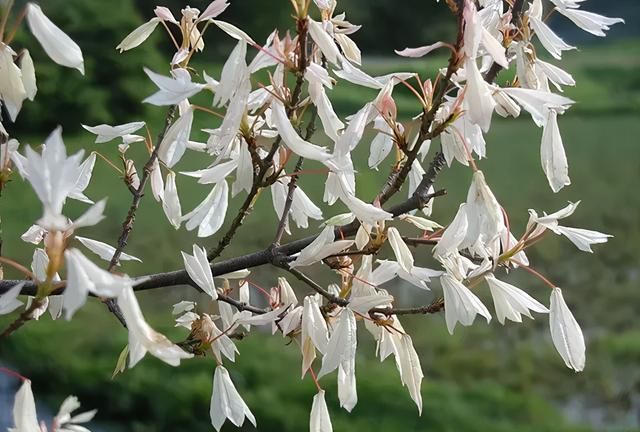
[263, 129]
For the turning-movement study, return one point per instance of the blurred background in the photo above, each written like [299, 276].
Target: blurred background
[485, 377]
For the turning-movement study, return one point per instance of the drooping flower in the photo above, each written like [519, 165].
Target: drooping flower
[85, 277]
[209, 215]
[566, 332]
[342, 343]
[319, 420]
[460, 303]
[554, 159]
[142, 338]
[226, 402]
[511, 302]
[197, 266]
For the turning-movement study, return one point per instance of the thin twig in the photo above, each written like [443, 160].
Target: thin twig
[127, 225]
[314, 285]
[24, 317]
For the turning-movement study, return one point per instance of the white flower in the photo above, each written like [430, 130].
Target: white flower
[292, 139]
[583, 238]
[538, 102]
[172, 90]
[221, 344]
[175, 141]
[142, 337]
[566, 333]
[589, 21]
[315, 333]
[197, 266]
[550, 41]
[234, 72]
[58, 46]
[365, 212]
[485, 219]
[209, 215]
[511, 302]
[28, 75]
[318, 78]
[460, 304]
[214, 9]
[408, 364]
[52, 174]
[84, 277]
[9, 300]
[104, 250]
[554, 159]
[478, 98]
[106, 133]
[323, 246]
[68, 423]
[319, 420]
[171, 201]
[400, 250]
[387, 270]
[454, 234]
[12, 90]
[226, 402]
[324, 41]
[342, 343]
[215, 173]
[84, 177]
[24, 410]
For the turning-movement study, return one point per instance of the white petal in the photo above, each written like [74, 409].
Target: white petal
[478, 98]
[566, 332]
[455, 233]
[460, 303]
[24, 410]
[554, 159]
[171, 201]
[291, 137]
[12, 90]
[209, 215]
[142, 337]
[58, 46]
[197, 266]
[106, 133]
[234, 32]
[104, 250]
[9, 300]
[226, 402]
[139, 35]
[28, 75]
[511, 302]
[342, 344]
[400, 249]
[583, 238]
[420, 51]
[174, 143]
[324, 41]
[319, 420]
[172, 90]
